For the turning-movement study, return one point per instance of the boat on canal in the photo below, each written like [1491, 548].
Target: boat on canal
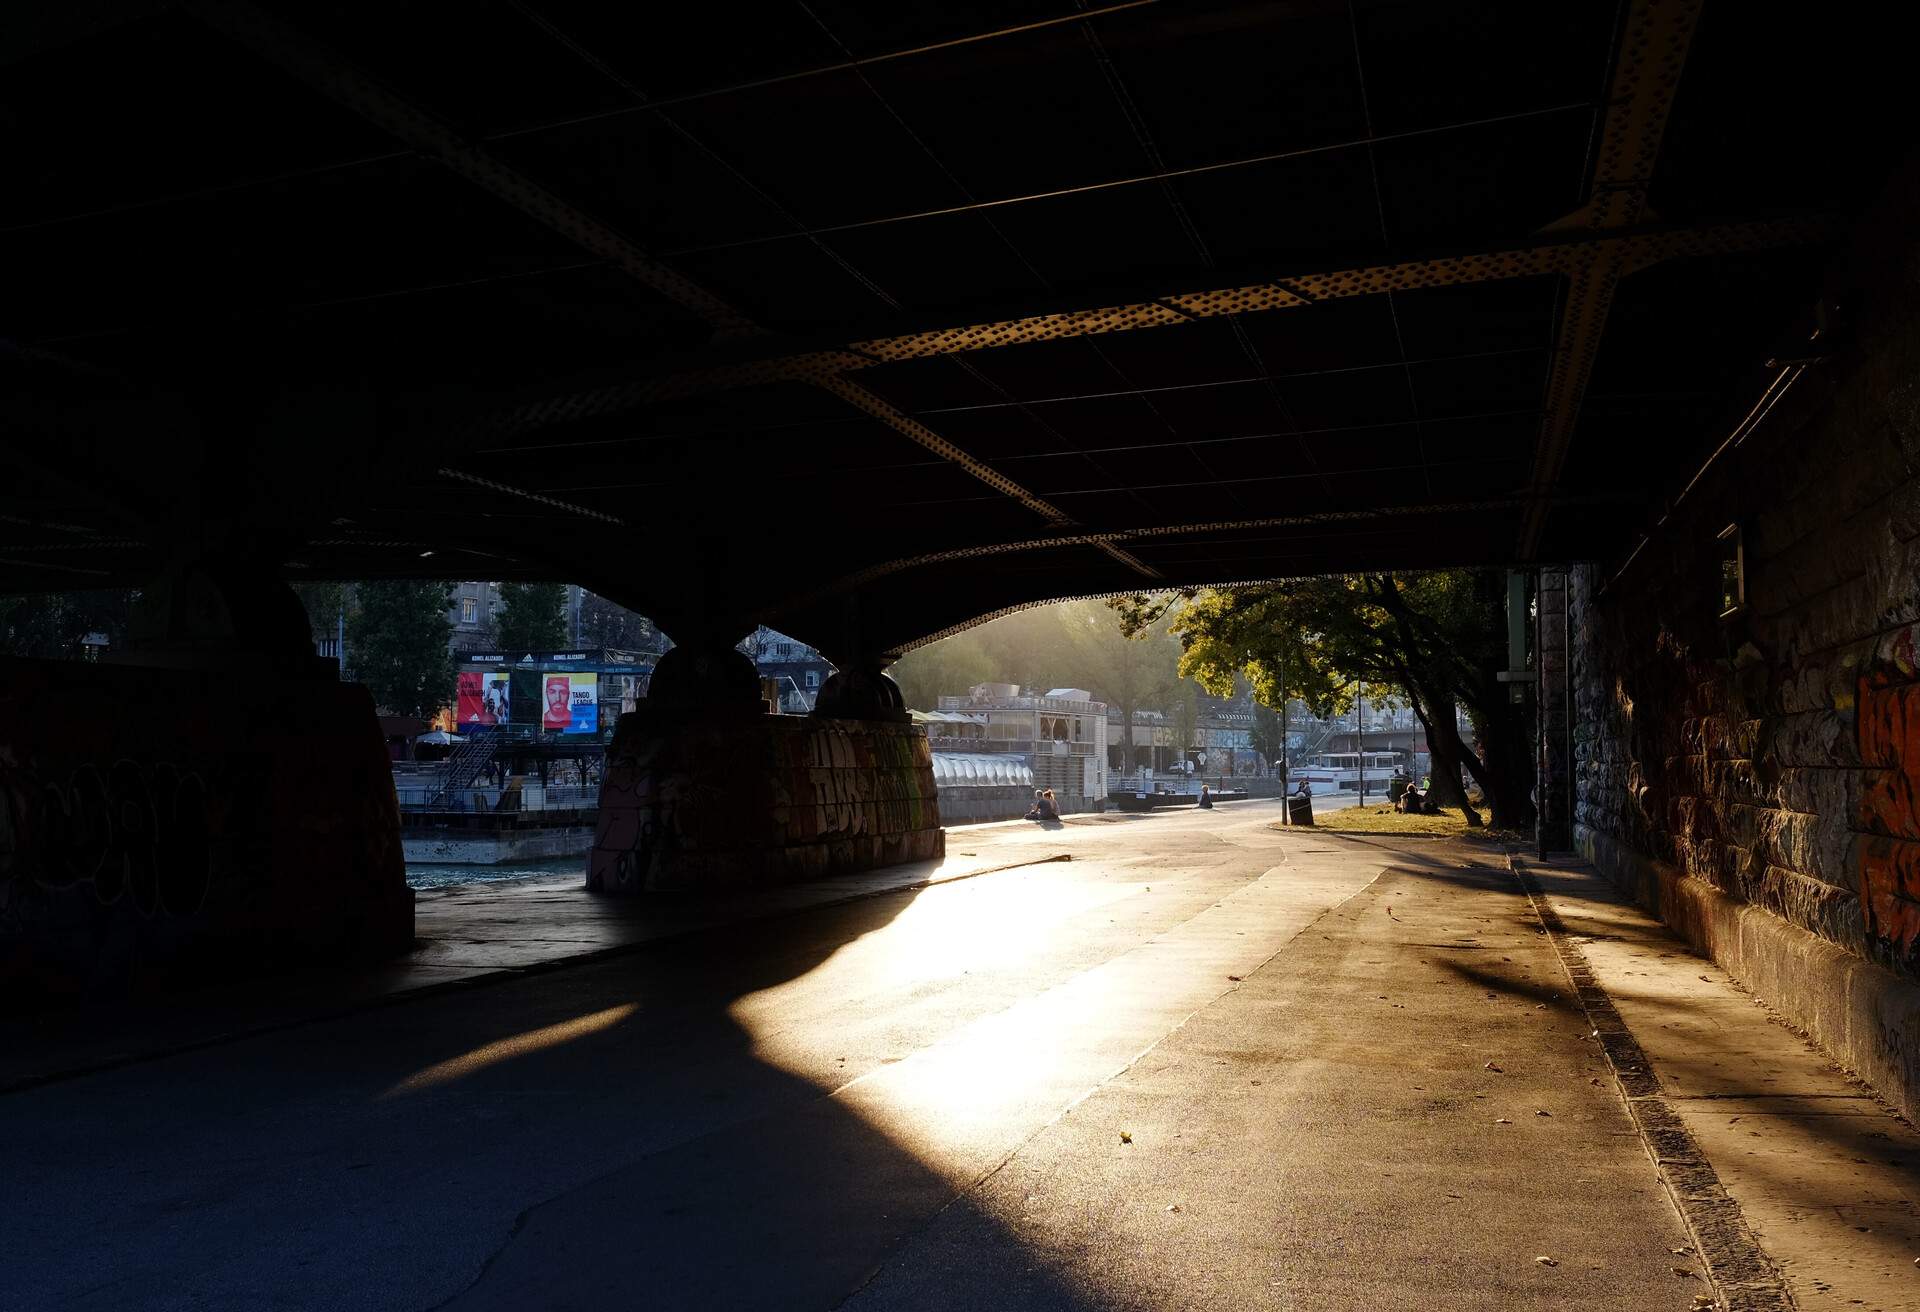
[1340, 772]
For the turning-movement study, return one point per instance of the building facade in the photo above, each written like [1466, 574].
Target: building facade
[796, 669]
[475, 608]
[1062, 734]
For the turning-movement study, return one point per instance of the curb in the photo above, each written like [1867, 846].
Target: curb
[1865, 1017]
[1739, 1267]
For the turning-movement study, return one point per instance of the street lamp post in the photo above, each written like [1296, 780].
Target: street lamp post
[1360, 742]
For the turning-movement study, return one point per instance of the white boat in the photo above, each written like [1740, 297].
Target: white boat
[1339, 772]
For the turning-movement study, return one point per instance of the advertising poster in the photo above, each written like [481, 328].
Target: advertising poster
[482, 698]
[493, 698]
[467, 698]
[583, 702]
[525, 696]
[556, 710]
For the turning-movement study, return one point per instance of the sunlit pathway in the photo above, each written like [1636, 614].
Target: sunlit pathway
[1200, 1064]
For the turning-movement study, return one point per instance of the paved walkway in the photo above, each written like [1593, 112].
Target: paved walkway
[1200, 1064]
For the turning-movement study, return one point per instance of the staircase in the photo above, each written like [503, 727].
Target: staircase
[464, 766]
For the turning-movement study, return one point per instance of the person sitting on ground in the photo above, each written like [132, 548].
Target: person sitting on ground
[1206, 802]
[1044, 807]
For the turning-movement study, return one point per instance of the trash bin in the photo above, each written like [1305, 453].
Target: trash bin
[1396, 788]
[1299, 810]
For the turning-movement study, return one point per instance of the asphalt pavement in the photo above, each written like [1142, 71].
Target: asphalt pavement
[1200, 1064]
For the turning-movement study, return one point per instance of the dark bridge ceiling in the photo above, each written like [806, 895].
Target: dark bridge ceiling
[869, 317]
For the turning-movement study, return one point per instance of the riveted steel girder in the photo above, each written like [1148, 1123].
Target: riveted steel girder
[1646, 76]
[1571, 254]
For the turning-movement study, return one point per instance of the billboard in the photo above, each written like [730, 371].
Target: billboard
[482, 698]
[556, 701]
[583, 702]
[569, 703]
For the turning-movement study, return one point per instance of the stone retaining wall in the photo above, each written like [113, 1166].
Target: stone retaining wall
[1770, 763]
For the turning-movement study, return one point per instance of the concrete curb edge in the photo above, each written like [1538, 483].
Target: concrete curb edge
[1865, 1017]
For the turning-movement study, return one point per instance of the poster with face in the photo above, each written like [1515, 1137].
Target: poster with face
[583, 703]
[557, 710]
[494, 706]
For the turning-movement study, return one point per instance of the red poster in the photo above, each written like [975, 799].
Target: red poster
[470, 706]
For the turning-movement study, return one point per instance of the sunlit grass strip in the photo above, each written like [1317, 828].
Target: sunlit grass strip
[1385, 820]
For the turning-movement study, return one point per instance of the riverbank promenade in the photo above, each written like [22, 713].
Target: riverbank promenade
[1167, 1062]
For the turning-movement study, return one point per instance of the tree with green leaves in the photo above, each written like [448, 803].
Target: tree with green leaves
[54, 625]
[1268, 735]
[397, 639]
[532, 617]
[1435, 640]
[1131, 674]
[325, 603]
[606, 623]
[1183, 719]
[945, 668]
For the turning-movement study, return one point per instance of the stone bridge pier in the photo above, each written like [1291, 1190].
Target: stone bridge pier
[704, 790]
[213, 801]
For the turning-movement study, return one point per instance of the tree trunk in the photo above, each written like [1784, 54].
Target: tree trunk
[1507, 751]
[1449, 754]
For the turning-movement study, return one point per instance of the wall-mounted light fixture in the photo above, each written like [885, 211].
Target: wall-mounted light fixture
[1733, 572]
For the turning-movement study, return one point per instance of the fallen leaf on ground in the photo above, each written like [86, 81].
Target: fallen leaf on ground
[1546, 1261]
[1685, 1250]
[1234, 978]
[1173, 1207]
[1502, 1121]
[1495, 1069]
[1125, 1137]
[1543, 1113]
[1684, 1274]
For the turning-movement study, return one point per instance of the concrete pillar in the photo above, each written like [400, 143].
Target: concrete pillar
[1554, 713]
[861, 691]
[211, 802]
[704, 674]
[704, 791]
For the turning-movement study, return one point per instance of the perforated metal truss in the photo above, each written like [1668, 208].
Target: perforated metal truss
[1566, 253]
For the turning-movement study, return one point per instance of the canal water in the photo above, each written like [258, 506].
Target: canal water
[423, 875]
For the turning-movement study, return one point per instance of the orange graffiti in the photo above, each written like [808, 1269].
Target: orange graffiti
[1888, 721]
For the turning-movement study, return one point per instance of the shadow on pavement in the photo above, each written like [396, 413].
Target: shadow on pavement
[604, 1136]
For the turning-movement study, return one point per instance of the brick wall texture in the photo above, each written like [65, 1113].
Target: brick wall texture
[1776, 756]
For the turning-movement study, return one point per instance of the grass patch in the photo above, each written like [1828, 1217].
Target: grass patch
[1385, 820]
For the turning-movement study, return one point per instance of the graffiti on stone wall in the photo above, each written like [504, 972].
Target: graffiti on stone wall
[671, 802]
[1887, 715]
[640, 809]
[126, 833]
